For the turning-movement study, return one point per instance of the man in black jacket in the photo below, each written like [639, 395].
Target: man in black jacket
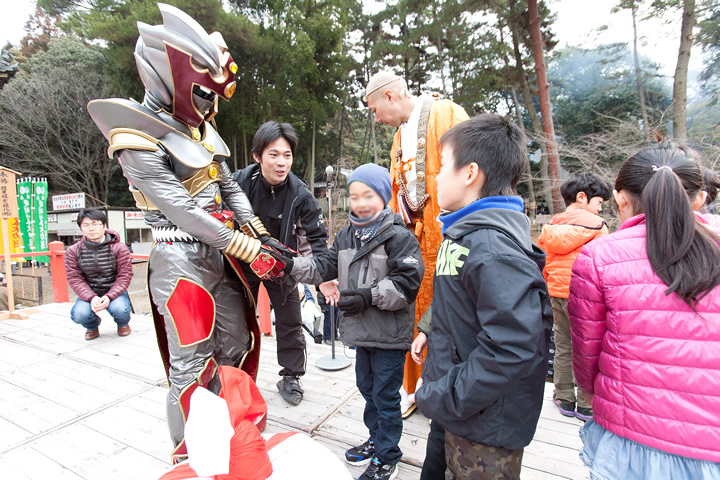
[291, 215]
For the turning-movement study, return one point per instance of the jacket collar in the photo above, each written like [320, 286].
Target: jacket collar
[506, 202]
[380, 235]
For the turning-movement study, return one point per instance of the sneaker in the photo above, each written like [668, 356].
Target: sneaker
[584, 414]
[379, 470]
[386, 472]
[360, 455]
[566, 408]
[290, 390]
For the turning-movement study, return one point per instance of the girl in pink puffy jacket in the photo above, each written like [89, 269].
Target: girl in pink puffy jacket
[644, 308]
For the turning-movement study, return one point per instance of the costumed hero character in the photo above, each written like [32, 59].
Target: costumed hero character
[174, 162]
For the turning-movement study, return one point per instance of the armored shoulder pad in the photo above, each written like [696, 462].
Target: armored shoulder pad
[128, 124]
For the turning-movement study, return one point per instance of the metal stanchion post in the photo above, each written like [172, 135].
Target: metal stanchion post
[329, 362]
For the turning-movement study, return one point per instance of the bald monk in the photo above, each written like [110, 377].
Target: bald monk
[415, 162]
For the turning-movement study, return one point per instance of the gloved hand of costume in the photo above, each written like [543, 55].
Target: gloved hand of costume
[283, 249]
[354, 302]
[270, 264]
[266, 262]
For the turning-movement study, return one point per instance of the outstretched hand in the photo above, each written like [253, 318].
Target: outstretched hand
[330, 292]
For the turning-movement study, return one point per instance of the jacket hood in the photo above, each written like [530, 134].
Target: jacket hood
[114, 236]
[512, 223]
[569, 231]
[515, 225]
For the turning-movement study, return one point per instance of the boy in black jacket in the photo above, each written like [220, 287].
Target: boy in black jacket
[378, 264]
[491, 316]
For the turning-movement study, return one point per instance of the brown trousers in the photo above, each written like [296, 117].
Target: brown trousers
[563, 378]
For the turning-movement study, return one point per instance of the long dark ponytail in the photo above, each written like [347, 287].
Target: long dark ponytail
[662, 181]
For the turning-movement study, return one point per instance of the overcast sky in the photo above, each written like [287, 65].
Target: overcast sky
[577, 23]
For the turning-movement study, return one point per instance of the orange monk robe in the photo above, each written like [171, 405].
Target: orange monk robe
[443, 115]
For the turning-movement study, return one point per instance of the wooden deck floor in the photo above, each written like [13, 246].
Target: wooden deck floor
[71, 409]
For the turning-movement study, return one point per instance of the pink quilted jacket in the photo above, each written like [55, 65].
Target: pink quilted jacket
[652, 363]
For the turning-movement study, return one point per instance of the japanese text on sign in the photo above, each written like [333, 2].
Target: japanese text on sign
[68, 201]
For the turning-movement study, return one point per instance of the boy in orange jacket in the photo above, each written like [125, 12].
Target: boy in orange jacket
[562, 240]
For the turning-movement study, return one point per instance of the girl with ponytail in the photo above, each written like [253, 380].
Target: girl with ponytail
[644, 311]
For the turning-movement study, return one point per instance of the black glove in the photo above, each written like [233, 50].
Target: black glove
[288, 265]
[281, 248]
[354, 302]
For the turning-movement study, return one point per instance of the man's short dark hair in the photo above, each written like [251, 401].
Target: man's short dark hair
[496, 145]
[588, 183]
[92, 214]
[271, 131]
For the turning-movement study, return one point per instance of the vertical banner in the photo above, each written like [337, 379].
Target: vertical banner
[24, 193]
[15, 238]
[39, 210]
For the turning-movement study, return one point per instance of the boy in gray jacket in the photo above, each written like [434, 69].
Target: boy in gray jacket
[377, 262]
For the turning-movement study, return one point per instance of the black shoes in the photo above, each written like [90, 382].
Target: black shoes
[566, 408]
[290, 390]
[362, 454]
[379, 470]
[583, 414]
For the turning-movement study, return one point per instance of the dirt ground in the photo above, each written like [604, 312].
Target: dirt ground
[27, 287]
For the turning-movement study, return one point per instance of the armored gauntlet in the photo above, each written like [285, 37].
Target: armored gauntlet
[254, 245]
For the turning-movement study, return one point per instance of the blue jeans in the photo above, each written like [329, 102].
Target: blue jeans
[119, 309]
[379, 375]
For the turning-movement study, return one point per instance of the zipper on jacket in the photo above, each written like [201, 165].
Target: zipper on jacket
[287, 222]
[367, 267]
[272, 191]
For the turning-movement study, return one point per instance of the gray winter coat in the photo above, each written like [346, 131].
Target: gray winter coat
[390, 265]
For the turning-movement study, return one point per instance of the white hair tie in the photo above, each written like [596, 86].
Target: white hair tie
[656, 168]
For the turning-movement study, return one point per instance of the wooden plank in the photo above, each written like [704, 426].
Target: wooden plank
[89, 389]
[134, 428]
[12, 434]
[31, 412]
[93, 455]
[555, 466]
[17, 355]
[29, 464]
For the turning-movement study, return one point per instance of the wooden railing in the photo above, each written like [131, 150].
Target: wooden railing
[56, 252]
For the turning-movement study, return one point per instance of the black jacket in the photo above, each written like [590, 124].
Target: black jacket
[302, 226]
[390, 265]
[484, 375]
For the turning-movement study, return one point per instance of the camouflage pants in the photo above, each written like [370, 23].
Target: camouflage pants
[468, 460]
